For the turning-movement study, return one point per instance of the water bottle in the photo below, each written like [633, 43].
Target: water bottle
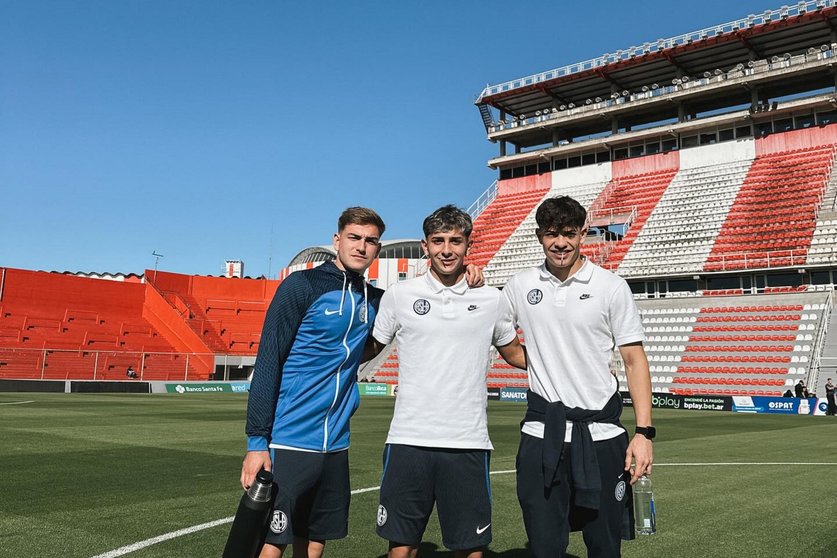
[248, 528]
[644, 512]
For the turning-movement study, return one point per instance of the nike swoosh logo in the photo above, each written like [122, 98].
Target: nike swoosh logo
[481, 530]
[330, 312]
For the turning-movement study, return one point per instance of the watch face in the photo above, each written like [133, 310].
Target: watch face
[648, 431]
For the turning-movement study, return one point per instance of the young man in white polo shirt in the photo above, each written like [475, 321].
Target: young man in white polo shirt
[574, 458]
[438, 447]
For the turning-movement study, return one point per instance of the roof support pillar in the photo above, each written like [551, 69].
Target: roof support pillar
[502, 148]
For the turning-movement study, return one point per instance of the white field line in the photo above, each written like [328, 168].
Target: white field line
[17, 403]
[122, 551]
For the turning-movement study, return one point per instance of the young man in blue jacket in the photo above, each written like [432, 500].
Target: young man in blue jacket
[304, 389]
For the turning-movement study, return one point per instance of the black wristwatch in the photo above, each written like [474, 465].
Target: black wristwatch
[648, 431]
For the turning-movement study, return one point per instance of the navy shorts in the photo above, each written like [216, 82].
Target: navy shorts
[455, 480]
[546, 513]
[312, 501]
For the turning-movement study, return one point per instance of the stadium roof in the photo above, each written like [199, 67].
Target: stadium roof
[786, 30]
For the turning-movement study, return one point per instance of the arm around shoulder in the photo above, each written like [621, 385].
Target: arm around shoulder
[514, 353]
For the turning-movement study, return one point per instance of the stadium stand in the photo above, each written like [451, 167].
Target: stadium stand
[59, 326]
[706, 164]
[226, 313]
[706, 161]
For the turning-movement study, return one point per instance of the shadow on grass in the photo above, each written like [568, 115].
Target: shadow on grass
[432, 550]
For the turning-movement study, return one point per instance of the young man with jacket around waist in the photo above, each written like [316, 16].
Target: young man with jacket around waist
[573, 465]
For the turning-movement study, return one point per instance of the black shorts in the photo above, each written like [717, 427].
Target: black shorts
[313, 496]
[546, 513]
[456, 480]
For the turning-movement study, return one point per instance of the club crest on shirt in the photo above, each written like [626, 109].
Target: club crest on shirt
[534, 296]
[421, 307]
[382, 516]
[279, 522]
[620, 491]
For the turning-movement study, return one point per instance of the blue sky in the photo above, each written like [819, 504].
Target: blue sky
[195, 128]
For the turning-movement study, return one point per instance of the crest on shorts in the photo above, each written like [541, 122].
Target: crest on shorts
[382, 516]
[534, 296]
[279, 522]
[620, 491]
[421, 307]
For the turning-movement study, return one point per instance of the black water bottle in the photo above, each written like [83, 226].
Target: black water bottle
[248, 528]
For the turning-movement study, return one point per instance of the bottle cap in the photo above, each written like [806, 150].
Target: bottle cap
[264, 476]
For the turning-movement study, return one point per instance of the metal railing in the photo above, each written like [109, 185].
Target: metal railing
[819, 342]
[75, 364]
[758, 260]
[476, 208]
[659, 45]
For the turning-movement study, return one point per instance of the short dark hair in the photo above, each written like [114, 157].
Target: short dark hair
[360, 216]
[559, 213]
[448, 218]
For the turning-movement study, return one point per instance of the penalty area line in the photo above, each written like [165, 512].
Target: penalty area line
[16, 402]
[122, 551]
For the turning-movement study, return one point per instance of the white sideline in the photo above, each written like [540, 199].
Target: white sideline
[16, 402]
[122, 551]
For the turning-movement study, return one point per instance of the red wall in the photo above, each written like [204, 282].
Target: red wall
[46, 294]
[649, 163]
[797, 139]
[525, 184]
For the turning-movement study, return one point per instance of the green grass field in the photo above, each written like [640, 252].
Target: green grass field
[83, 475]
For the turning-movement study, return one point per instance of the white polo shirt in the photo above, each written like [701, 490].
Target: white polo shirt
[444, 336]
[570, 329]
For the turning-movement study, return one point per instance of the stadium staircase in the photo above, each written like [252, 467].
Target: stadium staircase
[227, 314]
[514, 201]
[521, 249]
[632, 195]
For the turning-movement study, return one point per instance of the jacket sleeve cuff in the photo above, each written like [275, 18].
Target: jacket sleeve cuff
[256, 443]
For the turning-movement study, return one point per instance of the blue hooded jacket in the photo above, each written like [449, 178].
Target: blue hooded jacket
[304, 387]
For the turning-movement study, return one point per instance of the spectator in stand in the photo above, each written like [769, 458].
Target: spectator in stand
[130, 372]
[829, 395]
[799, 389]
[788, 393]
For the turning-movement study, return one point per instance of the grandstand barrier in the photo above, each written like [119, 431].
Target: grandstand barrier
[93, 365]
[72, 386]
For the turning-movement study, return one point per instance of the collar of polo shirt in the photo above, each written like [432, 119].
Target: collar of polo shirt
[584, 273]
[436, 286]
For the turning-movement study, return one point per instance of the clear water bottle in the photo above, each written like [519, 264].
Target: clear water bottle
[248, 528]
[644, 512]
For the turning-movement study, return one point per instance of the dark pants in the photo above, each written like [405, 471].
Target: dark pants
[832, 406]
[546, 513]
